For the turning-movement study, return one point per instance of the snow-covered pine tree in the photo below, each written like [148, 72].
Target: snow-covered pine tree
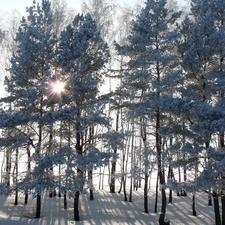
[31, 68]
[82, 56]
[150, 49]
[200, 105]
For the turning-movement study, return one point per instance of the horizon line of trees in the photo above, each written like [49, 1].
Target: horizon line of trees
[163, 109]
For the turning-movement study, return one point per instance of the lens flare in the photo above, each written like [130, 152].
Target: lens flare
[58, 87]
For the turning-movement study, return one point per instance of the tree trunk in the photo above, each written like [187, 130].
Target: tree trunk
[16, 178]
[26, 199]
[50, 152]
[113, 170]
[170, 175]
[100, 178]
[163, 209]
[76, 206]
[132, 163]
[156, 193]
[161, 173]
[28, 168]
[223, 208]
[79, 150]
[103, 176]
[90, 178]
[185, 179]
[216, 208]
[65, 201]
[131, 189]
[209, 198]
[146, 194]
[193, 205]
[8, 166]
[124, 189]
[38, 206]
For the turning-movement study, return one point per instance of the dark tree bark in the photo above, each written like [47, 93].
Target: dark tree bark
[26, 199]
[209, 198]
[50, 152]
[132, 164]
[65, 201]
[124, 189]
[28, 168]
[163, 209]
[38, 208]
[223, 208]
[8, 166]
[222, 145]
[90, 172]
[170, 175]
[79, 150]
[90, 177]
[156, 193]
[161, 174]
[76, 206]
[16, 176]
[185, 179]
[146, 194]
[216, 208]
[193, 205]
[113, 168]
[131, 189]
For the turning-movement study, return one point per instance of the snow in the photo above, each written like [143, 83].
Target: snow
[106, 209]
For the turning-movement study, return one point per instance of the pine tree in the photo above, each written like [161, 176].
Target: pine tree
[150, 48]
[82, 56]
[200, 101]
[31, 68]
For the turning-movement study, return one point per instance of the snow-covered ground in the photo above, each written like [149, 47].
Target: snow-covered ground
[106, 209]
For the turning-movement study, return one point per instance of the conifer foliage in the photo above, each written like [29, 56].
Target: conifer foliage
[152, 60]
[40, 62]
[171, 95]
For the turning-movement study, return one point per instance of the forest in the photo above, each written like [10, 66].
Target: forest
[115, 97]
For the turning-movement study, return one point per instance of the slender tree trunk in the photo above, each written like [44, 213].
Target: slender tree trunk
[38, 209]
[26, 199]
[79, 150]
[146, 194]
[65, 201]
[222, 146]
[90, 180]
[8, 166]
[16, 178]
[28, 170]
[163, 209]
[113, 169]
[90, 172]
[185, 179]
[193, 205]
[100, 175]
[132, 163]
[170, 175]
[156, 193]
[223, 208]
[216, 208]
[131, 189]
[209, 198]
[103, 176]
[3, 173]
[76, 206]
[50, 152]
[160, 171]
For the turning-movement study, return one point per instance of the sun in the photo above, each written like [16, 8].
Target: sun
[57, 87]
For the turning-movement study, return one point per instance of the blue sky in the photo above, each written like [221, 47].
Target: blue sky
[20, 5]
